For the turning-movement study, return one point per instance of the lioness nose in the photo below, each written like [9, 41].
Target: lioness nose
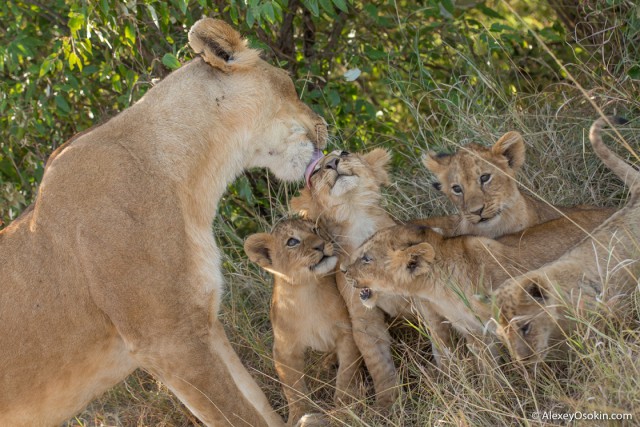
[333, 163]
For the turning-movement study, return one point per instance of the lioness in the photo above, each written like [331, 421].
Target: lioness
[115, 266]
[307, 310]
[456, 275]
[537, 310]
[343, 195]
[481, 183]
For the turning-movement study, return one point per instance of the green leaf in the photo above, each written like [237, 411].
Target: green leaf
[313, 6]
[341, 4]
[489, 12]
[170, 61]
[129, 34]
[374, 54]
[448, 5]
[327, 7]
[74, 60]
[498, 28]
[62, 104]
[634, 72]
[76, 21]
[267, 8]
[250, 18]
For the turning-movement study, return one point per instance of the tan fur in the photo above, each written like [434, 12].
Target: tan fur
[115, 267]
[538, 308]
[307, 310]
[345, 198]
[456, 275]
[492, 208]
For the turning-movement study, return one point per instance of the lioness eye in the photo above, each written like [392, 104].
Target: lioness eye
[485, 178]
[366, 259]
[456, 189]
[344, 153]
[524, 330]
[293, 242]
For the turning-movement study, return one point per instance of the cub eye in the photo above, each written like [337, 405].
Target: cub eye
[293, 242]
[366, 259]
[525, 329]
[457, 190]
[344, 153]
[485, 178]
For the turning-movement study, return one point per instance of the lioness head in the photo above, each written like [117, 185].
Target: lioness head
[480, 181]
[258, 101]
[391, 261]
[295, 250]
[532, 319]
[342, 178]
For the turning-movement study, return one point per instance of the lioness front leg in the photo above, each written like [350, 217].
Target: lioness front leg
[289, 363]
[203, 370]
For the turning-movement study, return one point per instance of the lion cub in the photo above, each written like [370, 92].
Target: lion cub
[307, 310]
[481, 183]
[538, 309]
[456, 275]
[344, 195]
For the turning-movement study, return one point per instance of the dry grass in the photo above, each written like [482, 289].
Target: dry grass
[603, 373]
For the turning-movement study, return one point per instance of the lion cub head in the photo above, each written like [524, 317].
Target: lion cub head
[391, 261]
[480, 181]
[532, 317]
[342, 179]
[296, 250]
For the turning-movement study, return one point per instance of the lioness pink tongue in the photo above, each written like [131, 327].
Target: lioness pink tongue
[315, 158]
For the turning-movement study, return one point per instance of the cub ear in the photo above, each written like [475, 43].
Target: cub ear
[536, 290]
[220, 45]
[414, 260]
[436, 163]
[258, 249]
[379, 159]
[511, 146]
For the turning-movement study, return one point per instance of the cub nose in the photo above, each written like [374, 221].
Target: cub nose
[333, 164]
[478, 211]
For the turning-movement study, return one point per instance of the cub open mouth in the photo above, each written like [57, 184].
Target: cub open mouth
[365, 294]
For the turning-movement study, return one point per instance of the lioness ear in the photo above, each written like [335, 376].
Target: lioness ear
[379, 159]
[258, 249]
[414, 260]
[511, 146]
[436, 162]
[220, 45]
